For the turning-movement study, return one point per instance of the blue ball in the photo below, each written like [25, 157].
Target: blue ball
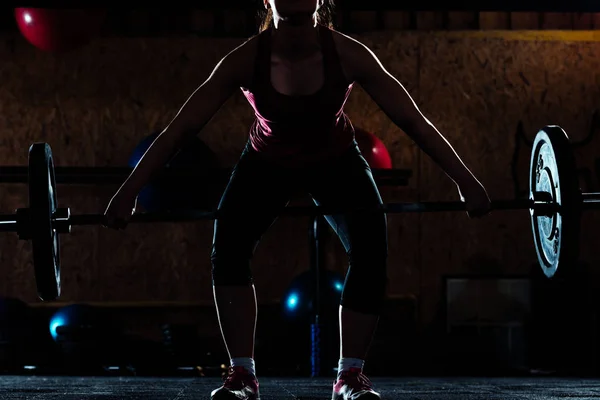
[297, 302]
[75, 315]
[179, 194]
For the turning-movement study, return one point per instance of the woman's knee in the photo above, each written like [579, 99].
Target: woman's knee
[230, 268]
[366, 281]
[230, 256]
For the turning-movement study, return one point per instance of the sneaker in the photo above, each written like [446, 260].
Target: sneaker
[239, 385]
[354, 385]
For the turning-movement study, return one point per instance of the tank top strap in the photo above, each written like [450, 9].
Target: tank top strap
[333, 65]
[262, 62]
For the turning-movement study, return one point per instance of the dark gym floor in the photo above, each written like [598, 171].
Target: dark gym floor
[88, 388]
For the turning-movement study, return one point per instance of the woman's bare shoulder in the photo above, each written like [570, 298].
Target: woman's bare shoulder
[242, 59]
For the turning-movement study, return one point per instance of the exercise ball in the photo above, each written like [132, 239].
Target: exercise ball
[77, 318]
[86, 338]
[298, 300]
[373, 149]
[59, 30]
[168, 194]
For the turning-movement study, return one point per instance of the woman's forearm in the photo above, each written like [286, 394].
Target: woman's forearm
[431, 141]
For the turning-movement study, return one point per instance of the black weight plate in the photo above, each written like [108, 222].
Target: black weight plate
[43, 205]
[553, 170]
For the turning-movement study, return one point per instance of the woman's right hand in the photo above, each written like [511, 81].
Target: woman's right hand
[476, 198]
[119, 210]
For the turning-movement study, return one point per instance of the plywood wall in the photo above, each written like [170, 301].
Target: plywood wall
[93, 106]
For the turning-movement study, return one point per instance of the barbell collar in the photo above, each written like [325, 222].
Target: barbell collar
[61, 220]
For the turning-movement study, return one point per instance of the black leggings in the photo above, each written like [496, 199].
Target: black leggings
[259, 190]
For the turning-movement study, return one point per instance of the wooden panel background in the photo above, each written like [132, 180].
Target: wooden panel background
[93, 105]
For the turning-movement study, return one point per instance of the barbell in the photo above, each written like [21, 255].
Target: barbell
[555, 203]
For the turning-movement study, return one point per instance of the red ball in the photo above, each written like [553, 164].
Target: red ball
[373, 149]
[59, 30]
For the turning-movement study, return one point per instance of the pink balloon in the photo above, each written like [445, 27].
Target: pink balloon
[59, 30]
[373, 149]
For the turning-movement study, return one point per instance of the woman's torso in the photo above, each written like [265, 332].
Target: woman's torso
[299, 105]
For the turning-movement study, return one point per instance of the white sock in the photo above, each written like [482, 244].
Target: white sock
[346, 363]
[245, 362]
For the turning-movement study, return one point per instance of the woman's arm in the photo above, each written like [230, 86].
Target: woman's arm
[196, 112]
[363, 67]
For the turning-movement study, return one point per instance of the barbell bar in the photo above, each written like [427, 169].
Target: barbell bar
[63, 220]
[9, 222]
[542, 208]
[555, 204]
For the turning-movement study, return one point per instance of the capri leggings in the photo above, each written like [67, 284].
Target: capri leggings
[257, 192]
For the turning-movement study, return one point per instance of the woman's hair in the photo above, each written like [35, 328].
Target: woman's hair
[324, 16]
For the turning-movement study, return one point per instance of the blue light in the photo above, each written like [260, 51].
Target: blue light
[54, 324]
[292, 301]
[338, 286]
